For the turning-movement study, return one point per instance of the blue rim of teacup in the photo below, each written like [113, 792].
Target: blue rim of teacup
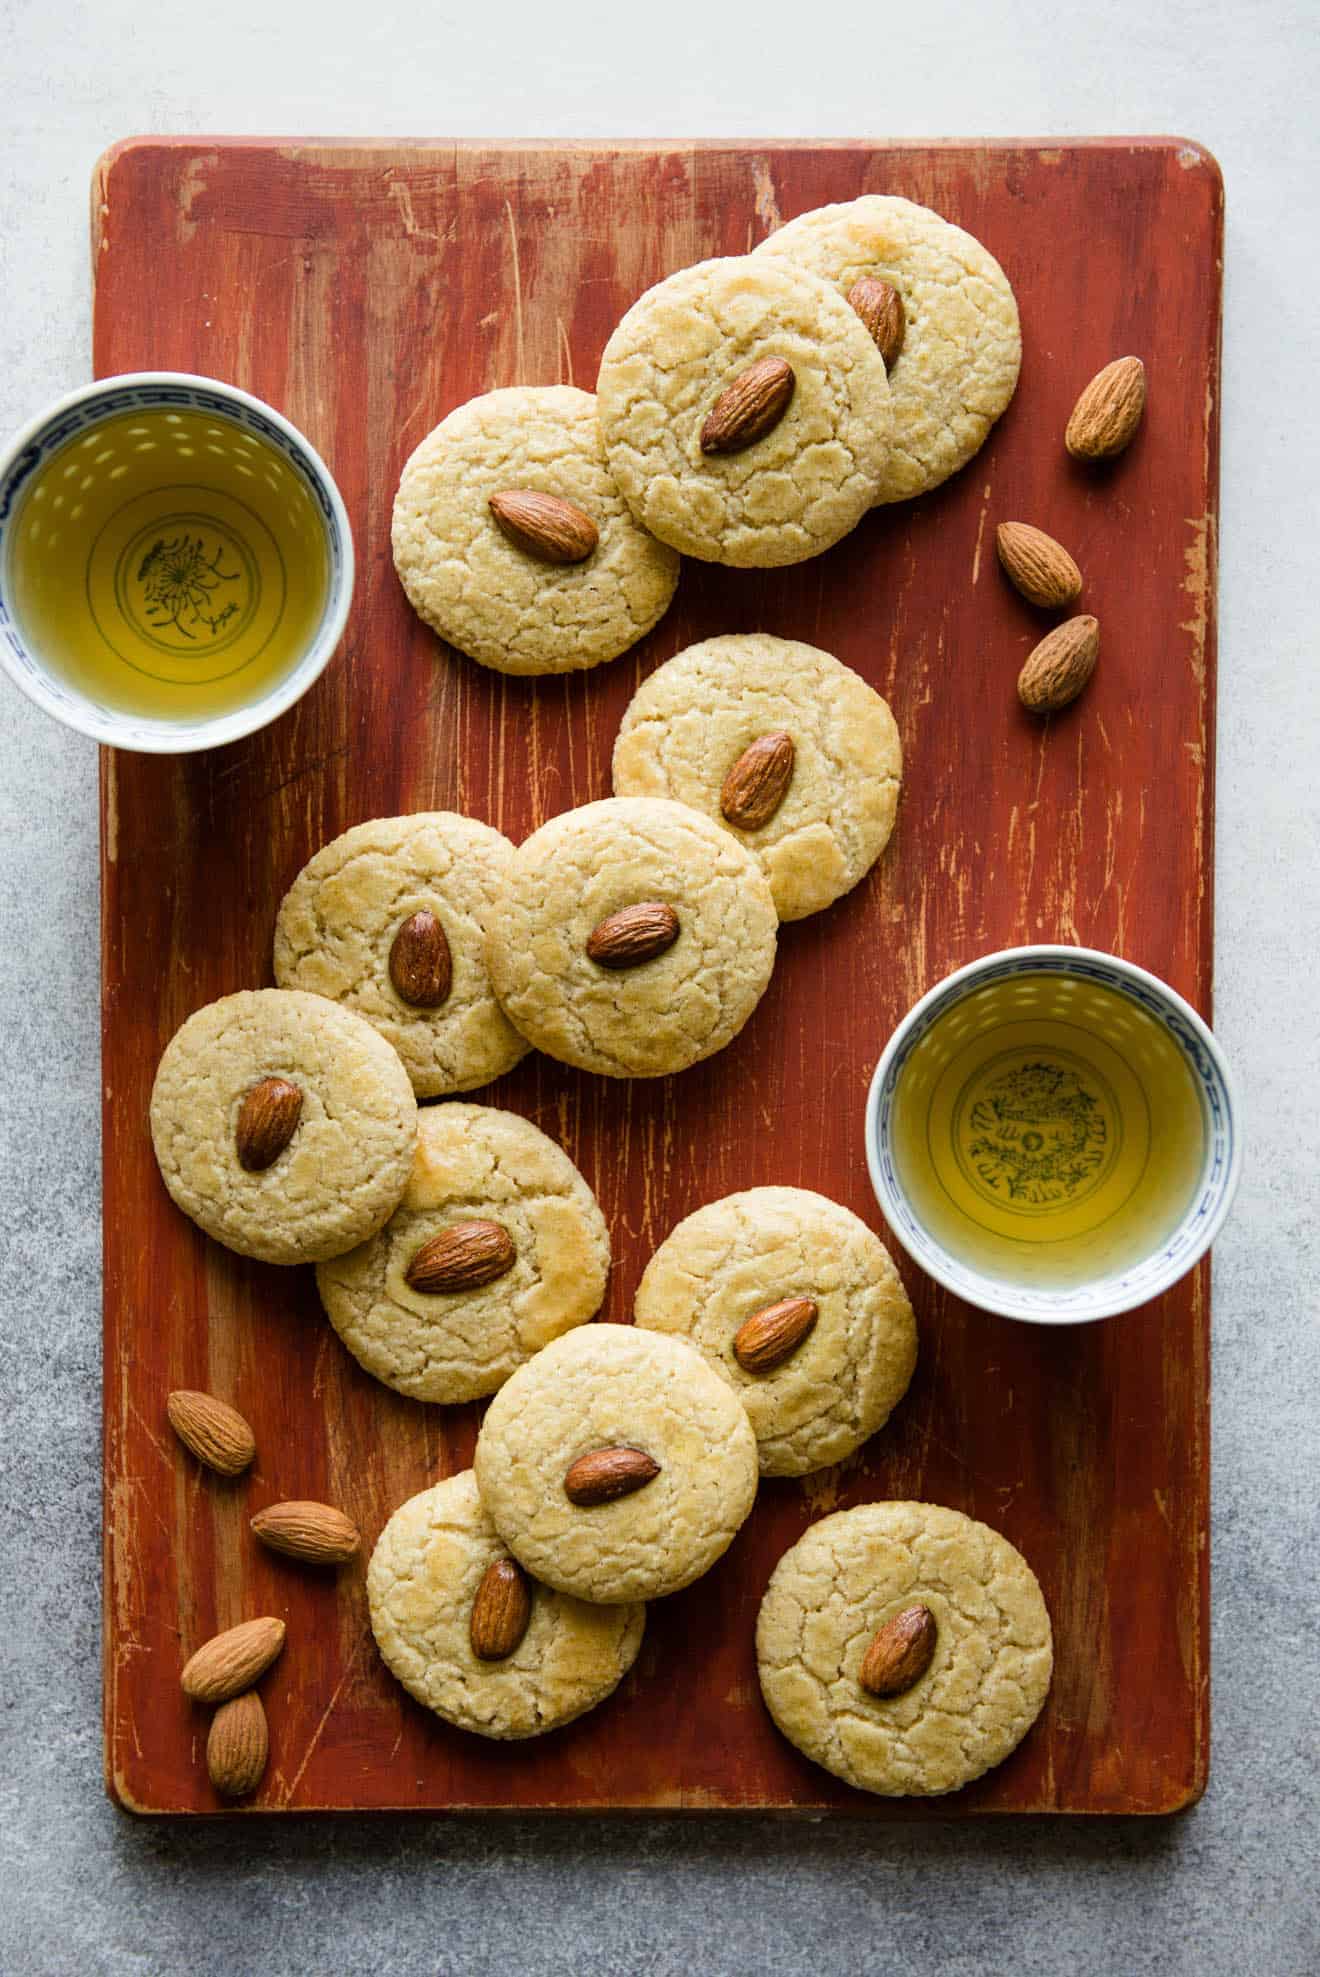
[149, 391]
[1216, 1186]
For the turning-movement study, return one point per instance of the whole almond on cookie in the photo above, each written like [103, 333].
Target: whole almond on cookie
[1108, 412]
[1059, 667]
[463, 1257]
[1038, 566]
[421, 965]
[215, 1433]
[501, 1611]
[544, 525]
[881, 309]
[315, 1532]
[231, 1662]
[758, 782]
[267, 1121]
[901, 1652]
[769, 1337]
[238, 1746]
[605, 1474]
[632, 935]
[750, 407]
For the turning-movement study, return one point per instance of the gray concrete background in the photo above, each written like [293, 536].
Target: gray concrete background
[1232, 1886]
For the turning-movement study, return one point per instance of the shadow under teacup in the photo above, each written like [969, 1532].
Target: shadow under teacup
[1052, 1134]
[176, 563]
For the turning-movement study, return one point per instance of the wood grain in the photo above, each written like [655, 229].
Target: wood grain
[366, 289]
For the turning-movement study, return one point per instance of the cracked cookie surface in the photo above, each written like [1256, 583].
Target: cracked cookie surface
[421, 1582]
[339, 919]
[670, 1011]
[607, 1386]
[734, 1257]
[958, 367]
[690, 721]
[343, 1172]
[793, 492]
[497, 603]
[473, 1163]
[984, 1687]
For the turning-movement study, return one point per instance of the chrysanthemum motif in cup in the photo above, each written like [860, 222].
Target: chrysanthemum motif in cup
[1052, 1134]
[176, 563]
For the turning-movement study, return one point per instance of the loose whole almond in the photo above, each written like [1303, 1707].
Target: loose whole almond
[881, 309]
[462, 1257]
[316, 1532]
[1059, 667]
[501, 1611]
[267, 1121]
[901, 1652]
[217, 1434]
[758, 782]
[608, 1473]
[232, 1661]
[632, 935]
[1037, 565]
[421, 966]
[1108, 412]
[771, 1336]
[544, 525]
[238, 1746]
[750, 407]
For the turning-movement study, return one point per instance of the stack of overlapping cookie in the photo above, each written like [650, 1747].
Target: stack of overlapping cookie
[749, 411]
[615, 1464]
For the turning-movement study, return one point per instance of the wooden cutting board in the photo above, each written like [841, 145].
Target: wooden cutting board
[365, 290]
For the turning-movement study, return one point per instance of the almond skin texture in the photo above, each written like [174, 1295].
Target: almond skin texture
[501, 1611]
[900, 1654]
[771, 1336]
[316, 1532]
[606, 1474]
[881, 309]
[238, 1746]
[544, 525]
[1108, 412]
[632, 935]
[232, 1661]
[1059, 667]
[758, 782]
[421, 966]
[750, 407]
[267, 1121]
[462, 1258]
[215, 1433]
[1038, 566]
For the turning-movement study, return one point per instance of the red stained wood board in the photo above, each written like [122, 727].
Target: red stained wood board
[366, 289]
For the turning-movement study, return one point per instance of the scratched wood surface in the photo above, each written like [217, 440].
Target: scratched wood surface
[366, 289]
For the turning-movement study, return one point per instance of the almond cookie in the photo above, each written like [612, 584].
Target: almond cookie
[390, 920]
[957, 366]
[904, 1647]
[283, 1125]
[490, 1651]
[557, 588]
[497, 1247]
[632, 938]
[786, 464]
[782, 745]
[615, 1465]
[797, 1305]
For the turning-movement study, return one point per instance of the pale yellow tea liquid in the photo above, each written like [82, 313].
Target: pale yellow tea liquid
[1048, 1131]
[169, 564]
